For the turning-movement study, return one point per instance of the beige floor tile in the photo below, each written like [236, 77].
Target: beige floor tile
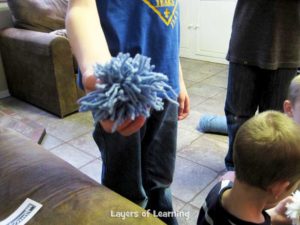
[206, 151]
[86, 144]
[189, 215]
[70, 128]
[186, 137]
[78, 116]
[190, 178]
[191, 122]
[49, 119]
[200, 198]
[87, 116]
[214, 106]
[72, 155]
[189, 83]
[27, 127]
[93, 170]
[177, 204]
[220, 97]
[218, 137]
[196, 99]
[218, 81]
[46, 120]
[50, 142]
[24, 109]
[212, 68]
[191, 64]
[223, 73]
[195, 76]
[205, 90]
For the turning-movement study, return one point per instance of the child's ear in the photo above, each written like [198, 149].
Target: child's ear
[278, 188]
[288, 108]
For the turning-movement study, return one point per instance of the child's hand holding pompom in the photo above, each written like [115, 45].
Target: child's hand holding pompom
[128, 89]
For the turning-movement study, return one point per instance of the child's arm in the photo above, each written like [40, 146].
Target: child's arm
[89, 47]
[86, 35]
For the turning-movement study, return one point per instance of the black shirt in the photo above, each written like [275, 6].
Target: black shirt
[266, 33]
[213, 213]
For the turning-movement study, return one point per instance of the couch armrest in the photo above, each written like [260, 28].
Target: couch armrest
[67, 195]
[39, 69]
[33, 41]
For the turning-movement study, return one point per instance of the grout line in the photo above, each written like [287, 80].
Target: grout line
[188, 145]
[53, 136]
[189, 202]
[68, 142]
[199, 164]
[79, 168]
[184, 203]
[50, 149]
[96, 157]
[81, 151]
[72, 138]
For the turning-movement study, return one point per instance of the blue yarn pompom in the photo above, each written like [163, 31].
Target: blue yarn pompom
[128, 88]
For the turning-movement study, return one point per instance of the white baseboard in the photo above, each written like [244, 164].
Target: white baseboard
[4, 94]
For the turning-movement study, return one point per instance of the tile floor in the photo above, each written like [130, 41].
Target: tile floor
[199, 158]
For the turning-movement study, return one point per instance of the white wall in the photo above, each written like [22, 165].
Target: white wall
[206, 29]
[5, 21]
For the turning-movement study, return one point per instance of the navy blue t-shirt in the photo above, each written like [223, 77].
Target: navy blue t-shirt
[147, 27]
[212, 211]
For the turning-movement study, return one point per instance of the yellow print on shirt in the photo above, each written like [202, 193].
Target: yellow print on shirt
[165, 9]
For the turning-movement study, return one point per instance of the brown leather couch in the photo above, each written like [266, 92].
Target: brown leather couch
[68, 196]
[37, 57]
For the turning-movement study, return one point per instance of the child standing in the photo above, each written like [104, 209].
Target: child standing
[139, 158]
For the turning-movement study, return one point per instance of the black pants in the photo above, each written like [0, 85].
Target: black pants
[250, 89]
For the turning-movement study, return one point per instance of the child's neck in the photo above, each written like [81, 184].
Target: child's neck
[244, 202]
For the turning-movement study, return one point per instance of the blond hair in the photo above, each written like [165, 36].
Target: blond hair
[294, 90]
[267, 150]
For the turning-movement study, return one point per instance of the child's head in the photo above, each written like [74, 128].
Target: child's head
[291, 106]
[267, 152]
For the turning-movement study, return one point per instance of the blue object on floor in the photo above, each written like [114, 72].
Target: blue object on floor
[213, 124]
[129, 88]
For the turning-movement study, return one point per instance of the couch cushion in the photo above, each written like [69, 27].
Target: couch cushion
[39, 15]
